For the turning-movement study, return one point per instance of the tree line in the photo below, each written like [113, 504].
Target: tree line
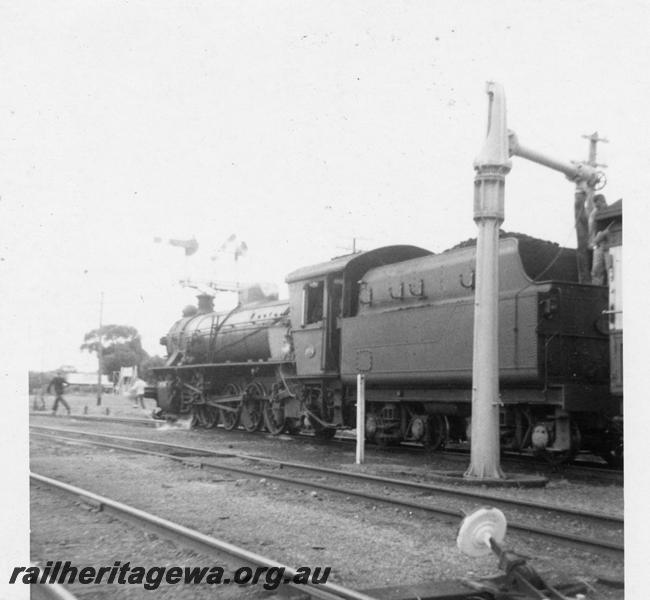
[120, 346]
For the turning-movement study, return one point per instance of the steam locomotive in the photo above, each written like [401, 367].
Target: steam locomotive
[403, 316]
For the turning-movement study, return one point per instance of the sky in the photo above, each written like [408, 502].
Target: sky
[296, 126]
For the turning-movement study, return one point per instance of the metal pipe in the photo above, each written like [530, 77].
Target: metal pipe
[573, 171]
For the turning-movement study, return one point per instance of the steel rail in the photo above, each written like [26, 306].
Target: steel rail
[49, 591]
[424, 487]
[200, 541]
[578, 470]
[99, 418]
[586, 542]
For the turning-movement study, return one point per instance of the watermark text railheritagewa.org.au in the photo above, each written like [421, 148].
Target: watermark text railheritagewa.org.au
[270, 578]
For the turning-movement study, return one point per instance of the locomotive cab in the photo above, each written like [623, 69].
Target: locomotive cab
[321, 295]
[315, 338]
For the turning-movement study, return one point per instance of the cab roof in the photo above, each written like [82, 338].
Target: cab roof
[361, 261]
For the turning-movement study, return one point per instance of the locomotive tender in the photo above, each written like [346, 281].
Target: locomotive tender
[404, 317]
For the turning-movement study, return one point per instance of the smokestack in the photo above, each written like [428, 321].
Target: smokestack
[206, 303]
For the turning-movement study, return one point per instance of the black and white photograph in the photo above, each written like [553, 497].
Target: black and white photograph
[324, 299]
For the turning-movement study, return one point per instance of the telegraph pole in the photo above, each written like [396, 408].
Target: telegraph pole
[100, 351]
[593, 144]
[592, 162]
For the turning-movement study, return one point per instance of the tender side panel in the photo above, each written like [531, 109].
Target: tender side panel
[433, 344]
[415, 321]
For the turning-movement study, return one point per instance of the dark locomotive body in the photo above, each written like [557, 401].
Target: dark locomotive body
[404, 317]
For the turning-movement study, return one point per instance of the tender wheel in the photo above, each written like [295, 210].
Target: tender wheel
[384, 441]
[252, 410]
[614, 457]
[612, 444]
[372, 424]
[516, 435]
[230, 416]
[556, 458]
[437, 432]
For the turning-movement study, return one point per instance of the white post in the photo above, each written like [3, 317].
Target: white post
[361, 417]
[491, 166]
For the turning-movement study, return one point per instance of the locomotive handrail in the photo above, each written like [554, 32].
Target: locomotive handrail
[226, 364]
[214, 330]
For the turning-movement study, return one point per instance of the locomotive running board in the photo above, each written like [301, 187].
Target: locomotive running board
[223, 365]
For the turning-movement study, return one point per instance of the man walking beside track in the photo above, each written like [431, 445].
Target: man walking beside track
[59, 383]
[137, 392]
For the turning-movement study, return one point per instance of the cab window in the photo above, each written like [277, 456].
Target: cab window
[314, 295]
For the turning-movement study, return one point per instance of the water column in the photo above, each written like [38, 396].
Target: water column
[492, 165]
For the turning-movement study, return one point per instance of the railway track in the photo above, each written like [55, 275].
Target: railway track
[558, 523]
[580, 471]
[200, 542]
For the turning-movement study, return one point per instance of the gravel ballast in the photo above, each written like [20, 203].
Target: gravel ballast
[366, 545]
